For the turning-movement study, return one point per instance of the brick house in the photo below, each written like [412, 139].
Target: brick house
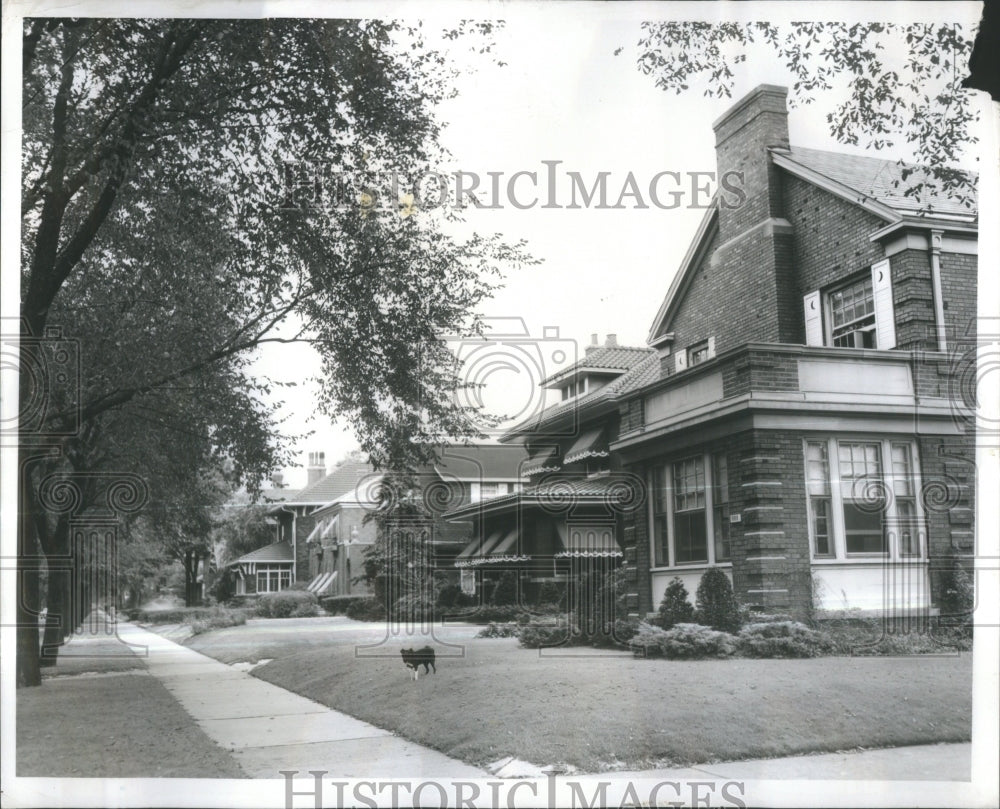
[805, 432]
[568, 517]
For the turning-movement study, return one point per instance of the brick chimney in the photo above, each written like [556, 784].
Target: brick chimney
[316, 469]
[277, 480]
[742, 136]
[593, 345]
[611, 341]
[756, 240]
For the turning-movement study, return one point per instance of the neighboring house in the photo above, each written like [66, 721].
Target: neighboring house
[569, 511]
[797, 421]
[806, 433]
[265, 570]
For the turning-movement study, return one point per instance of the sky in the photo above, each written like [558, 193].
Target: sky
[564, 95]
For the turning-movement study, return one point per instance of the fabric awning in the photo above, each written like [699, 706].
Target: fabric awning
[329, 527]
[542, 460]
[321, 583]
[472, 552]
[505, 550]
[590, 444]
[315, 532]
[582, 541]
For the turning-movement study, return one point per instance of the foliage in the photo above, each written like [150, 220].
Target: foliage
[648, 640]
[543, 631]
[956, 595]
[867, 637]
[552, 592]
[903, 82]
[337, 605]
[240, 528]
[782, 639]
[505, 592]
[225, 585]
[694, 641]
[287, 604]
[366, 609]
[182, 615]
[675, 607]
[495, 630]
[218, 618]
[451, 595]
[716, 603]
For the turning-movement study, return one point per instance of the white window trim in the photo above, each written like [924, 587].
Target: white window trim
[838, 534]
[668, 480]
[884, 312]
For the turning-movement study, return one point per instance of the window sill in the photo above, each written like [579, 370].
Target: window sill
[689, 566]
[866, 560]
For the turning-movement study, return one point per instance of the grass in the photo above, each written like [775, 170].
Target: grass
[110, 720]
[605, 712]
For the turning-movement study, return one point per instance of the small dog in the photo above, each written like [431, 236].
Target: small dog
[420, 657]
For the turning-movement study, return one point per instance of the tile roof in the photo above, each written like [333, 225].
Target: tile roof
[604, 358]
[879, 179]
[554, 491]
[276, 552]
[275, 495]
[644, 368]
[477, 462]
[339, 482]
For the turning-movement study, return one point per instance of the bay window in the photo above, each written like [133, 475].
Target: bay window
[861, 498]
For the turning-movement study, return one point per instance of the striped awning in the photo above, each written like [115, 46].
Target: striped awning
[583, 541]
[322, 583]
[473, 553]
[542, 460]
[504, 550]
[314, 534]
[590, 444]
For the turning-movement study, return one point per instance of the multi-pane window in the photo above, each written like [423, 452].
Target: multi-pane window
[720, 508]
[698, 353]
[660, 517]
[690, 541]
[690, 511]
[907, 522]
[273, 579]
[861, 497]
[852, 314]
[818, 490]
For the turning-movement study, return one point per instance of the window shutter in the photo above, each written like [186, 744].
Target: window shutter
[711, 347]
[681, 361]
[814, 318]
[885, 317]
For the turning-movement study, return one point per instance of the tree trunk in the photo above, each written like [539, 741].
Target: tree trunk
[192, 598]
[59, 614]
[29, 672]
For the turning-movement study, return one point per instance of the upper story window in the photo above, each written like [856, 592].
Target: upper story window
[852, 315]
[694, 354]
[855, 314]
[577, 388]
[698, 353]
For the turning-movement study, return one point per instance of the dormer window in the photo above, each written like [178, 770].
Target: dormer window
[698, 353]
[574, 389]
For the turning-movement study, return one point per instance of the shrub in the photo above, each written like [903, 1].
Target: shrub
[957, 597]
[505, 592]
[675, 607]
[717, 605]
[782, 639]
[552, 592]
[337, 605]
[218, 618]
[181, 615]
[508, 630]
[490, 614]
[647, 641]
[366, 609]
[543, 632]
[694, 641]
[286, 604]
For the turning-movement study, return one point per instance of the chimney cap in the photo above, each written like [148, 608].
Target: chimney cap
[611, 341]
[768, 97]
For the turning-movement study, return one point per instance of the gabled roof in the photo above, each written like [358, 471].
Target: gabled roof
[276, 495]
[644, 368]
[872, 183]
[876, 179]
[339, 482]
[276, 552]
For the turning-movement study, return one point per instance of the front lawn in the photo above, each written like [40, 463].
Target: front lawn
[606, 712]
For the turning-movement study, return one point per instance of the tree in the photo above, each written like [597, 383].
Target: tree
[675, 607]
[903, 82]
[160, 228]
[716, 602]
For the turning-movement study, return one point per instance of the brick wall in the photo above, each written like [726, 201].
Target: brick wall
[958, 289]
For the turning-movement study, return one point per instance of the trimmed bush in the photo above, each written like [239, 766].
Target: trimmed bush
[366, 609]
[717, 605]
[647, 640]
[287, 604]
[543, 632]
[219, 618]
[694, 642]
[505, 593]
[451, 595]
[337, 605]
[180, 615]
[957, 597]
[675, 607]
[782, 639]
[490, 614]
[508, 630]
[552, 592]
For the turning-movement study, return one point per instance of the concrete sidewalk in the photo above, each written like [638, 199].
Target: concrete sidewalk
[268, 729]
